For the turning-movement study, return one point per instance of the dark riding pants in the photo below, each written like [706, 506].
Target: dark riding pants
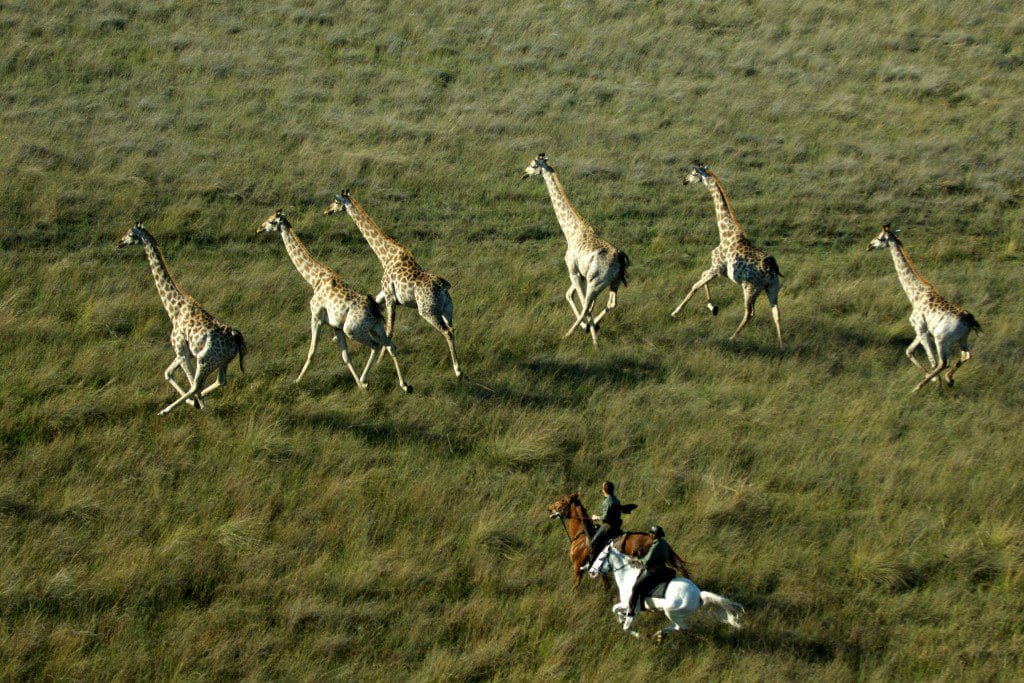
[601, 538]
[646, 582]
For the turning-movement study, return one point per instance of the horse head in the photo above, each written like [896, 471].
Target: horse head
[562, 508]
[600, 565]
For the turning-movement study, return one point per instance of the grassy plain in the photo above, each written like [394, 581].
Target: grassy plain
[316, 530]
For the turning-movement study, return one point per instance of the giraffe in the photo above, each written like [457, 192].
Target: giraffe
[403, 282]
[334, 303]
[193, 330]
[939, 326]
[593, 263]
[735, 257]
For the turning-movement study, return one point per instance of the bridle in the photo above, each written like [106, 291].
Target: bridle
[608, 560]
[562, 518]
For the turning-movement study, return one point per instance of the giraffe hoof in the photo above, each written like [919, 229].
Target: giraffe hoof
[713, 308]
[407, 389]
[949, 381]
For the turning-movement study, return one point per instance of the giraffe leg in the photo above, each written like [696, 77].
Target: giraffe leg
[186, 366]
[965, 355]
[389, 320]
[340, 336]
[588, 303]
[374, 352]
[910, 354]
[609, 305]
[197, 382]
[390, 348]
[772, 292]
[708, 275]
[749, 296]
[936, 371]
[389, 316]
[711, 307]
[222, 379]
[169, 376]
[449, 336]
[314, 329]
[577, 286]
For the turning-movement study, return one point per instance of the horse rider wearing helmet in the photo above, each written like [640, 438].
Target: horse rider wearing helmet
[611, 522]
[657, 569]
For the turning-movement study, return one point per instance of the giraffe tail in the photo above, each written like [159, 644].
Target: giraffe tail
[444, 283]
[772, 266]
[240, 346]
[623, 262]
[969, 320]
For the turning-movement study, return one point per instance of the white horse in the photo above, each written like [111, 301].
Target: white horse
[682, 597]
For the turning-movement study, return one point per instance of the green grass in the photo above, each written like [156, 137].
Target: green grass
[319, 531]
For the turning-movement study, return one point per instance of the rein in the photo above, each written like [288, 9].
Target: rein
[572, 539]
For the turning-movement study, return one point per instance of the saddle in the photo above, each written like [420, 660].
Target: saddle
[659, 590]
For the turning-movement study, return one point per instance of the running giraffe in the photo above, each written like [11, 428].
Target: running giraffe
[404, 282]
[735, 257]
[935, 320]
[193, 330]
[594, 265]
[337, 305]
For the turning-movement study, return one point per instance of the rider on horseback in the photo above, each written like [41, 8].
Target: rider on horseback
[657, 569]
[611, 522]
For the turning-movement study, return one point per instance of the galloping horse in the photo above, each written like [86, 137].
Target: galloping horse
[682, 597]
[580, 528]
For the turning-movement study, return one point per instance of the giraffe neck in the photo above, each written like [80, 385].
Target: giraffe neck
[913, 284]
[728, 227]
[171, 295]
[572, 224]
[309, 268]
[384, 246]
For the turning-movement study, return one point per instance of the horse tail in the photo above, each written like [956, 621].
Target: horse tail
[772, 266]
[623, 260]
[240, 347]
[728, 610]
[968, 319]
[679, 565]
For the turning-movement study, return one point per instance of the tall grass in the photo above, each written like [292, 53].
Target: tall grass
[320, 531]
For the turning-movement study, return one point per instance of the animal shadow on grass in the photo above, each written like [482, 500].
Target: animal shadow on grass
[603, 372]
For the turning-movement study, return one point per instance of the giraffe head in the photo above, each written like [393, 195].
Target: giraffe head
[884, 238]
[698, 174]
[537, 165]
[340, 202]
[137, 235]
[274, 223]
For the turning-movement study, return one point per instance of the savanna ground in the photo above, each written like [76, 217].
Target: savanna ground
[318, 530]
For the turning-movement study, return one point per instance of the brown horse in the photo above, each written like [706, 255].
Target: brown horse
[580, 528]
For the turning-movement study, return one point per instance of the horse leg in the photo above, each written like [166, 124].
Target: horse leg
[676, 626]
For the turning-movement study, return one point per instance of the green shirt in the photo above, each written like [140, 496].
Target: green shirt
[660, 555]
[611, 512]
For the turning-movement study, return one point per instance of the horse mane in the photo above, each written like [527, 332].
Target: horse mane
[584, 517]
[728, 204]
